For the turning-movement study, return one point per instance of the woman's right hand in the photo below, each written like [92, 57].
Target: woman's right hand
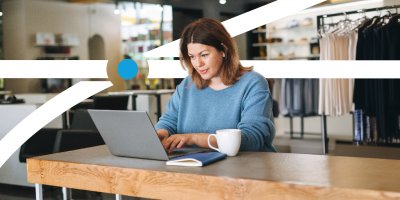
[162, 134]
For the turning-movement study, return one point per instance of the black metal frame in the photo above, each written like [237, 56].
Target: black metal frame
[321, 18]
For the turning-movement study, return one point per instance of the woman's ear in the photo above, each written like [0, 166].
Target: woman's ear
[225, 49]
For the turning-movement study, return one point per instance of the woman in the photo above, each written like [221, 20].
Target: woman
[219, 93]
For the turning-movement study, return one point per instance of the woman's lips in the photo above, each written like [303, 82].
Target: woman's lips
[203, 71]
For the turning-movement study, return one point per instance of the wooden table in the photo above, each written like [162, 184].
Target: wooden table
[250, 175]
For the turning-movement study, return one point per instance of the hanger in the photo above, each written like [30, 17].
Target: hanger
[388, 15]
[394, 19]
[375, 20]
[361, 21]
[344, 25]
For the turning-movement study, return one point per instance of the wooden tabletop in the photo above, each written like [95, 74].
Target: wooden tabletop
[250, 175]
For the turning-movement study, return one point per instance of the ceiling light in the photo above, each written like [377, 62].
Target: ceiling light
[116, 10]
[222, 2]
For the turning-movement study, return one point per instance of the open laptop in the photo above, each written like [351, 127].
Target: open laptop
[131, 134]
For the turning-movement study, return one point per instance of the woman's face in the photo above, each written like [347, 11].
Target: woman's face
[206, 60]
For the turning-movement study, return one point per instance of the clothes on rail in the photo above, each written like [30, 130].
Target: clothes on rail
[379, 99]
[298, 97]
[336, 95]
[377, 108]
[338, 46]
[377, 41]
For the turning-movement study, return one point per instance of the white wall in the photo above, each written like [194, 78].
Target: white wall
[24, 18]
[13, 171]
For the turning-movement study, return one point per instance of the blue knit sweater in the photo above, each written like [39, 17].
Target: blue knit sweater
[246, 105]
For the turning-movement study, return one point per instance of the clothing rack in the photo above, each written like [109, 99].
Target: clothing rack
[322, 21]
[321, 18]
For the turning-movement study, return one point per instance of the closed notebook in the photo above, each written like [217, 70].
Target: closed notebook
[197, 159]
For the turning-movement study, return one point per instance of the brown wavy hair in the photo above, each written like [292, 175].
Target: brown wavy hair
[212, 33]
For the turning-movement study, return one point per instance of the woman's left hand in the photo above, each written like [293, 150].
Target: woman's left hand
[177, 141]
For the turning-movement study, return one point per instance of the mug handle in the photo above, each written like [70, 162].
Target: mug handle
[209, 144]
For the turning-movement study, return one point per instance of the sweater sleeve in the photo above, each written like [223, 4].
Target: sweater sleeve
[256, 121]
[169, 119]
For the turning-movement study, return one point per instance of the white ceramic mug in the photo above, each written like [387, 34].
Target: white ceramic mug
[228, 141]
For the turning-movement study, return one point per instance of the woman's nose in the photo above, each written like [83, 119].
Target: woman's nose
[198, 63]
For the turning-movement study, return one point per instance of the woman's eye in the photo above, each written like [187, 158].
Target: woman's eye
[204, 55]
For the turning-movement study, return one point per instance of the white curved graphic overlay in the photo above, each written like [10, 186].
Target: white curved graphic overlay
[55, 106]
[274, 69]
[245, 22]
[293, 69]
[47, 112]
[53, 69]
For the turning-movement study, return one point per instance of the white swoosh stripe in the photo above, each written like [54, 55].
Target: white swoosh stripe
[47, 112]
[245, 22]
[293, 69]
[53, 69]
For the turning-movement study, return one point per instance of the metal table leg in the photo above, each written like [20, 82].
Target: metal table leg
[39, 191]
[118, 197]
[325, 147]
[66, 193]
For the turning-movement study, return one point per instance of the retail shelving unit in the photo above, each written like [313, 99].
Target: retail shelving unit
[258, 46]
[293, 39]
[56, 46]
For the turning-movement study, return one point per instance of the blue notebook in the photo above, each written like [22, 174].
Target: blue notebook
[197, 159]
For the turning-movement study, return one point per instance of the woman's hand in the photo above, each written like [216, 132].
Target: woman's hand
[177, 141]
[162, 134]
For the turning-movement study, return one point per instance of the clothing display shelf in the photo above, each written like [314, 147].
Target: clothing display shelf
[292, 28]
[260, 30]
[280, 44]
[258, 48]
[291, 38]
[322, 21]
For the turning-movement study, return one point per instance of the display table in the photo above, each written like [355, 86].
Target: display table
[250, 175]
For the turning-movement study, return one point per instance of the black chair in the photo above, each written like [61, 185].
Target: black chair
[82, 133]
[275, 105]
[41, 143]
[111, 102]
[67, 140]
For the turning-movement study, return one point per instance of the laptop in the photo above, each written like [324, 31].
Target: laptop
[131, 134]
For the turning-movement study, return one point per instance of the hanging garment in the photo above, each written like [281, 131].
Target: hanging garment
[299, 97]
[391, 32]
[379, 98]
[336, 95]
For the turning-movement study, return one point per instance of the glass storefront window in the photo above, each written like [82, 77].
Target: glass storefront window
[143, 27]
